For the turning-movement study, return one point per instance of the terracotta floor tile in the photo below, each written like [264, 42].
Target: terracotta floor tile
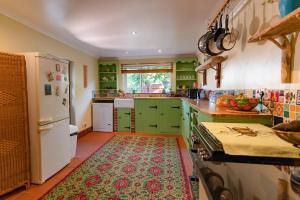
[87, 145]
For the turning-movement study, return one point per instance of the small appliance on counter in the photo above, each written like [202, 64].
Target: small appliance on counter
[193, 93]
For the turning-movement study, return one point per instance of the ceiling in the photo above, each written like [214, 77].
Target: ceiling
[103, 28]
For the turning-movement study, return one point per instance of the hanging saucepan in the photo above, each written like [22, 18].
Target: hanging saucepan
[202, 46]
[227, 40]
[219, 30]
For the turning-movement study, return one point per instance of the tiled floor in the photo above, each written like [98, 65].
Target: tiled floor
[86, 146]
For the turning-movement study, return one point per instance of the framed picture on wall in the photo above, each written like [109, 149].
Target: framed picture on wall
[57, 66]
[85, 81]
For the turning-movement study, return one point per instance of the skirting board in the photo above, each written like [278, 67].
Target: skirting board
[85, 131]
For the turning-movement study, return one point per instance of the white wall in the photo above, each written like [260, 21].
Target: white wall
[16, 37]
[254, 66]
[251, 65]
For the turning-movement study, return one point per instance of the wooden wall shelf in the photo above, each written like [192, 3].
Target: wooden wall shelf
[214, 63]
[211, 63]
[289, 25]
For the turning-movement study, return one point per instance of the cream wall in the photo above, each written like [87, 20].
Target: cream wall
[253, 65]
[16, 37]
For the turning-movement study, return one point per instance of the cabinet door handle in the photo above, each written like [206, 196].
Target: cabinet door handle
[127, 113]
[128, 127]
[177, 107]
[162, 114]
[140, 113]
[175, 126]
[154, 126]
[153, 107]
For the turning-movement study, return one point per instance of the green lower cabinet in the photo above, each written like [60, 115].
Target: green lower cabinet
[203, 117]
[157, 116]
[124, 119]
[168, 116]
[186, 120]
[145, 116]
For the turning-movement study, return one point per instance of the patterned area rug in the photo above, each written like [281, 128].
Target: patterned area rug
[128, 167]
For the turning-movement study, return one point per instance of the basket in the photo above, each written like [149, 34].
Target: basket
[291, 137]
[14, 134]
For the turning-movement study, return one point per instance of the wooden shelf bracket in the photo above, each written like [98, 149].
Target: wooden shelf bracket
[287, 46]
[214, 63]
[284, 35]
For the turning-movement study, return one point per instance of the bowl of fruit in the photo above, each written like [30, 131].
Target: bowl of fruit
[242, 103]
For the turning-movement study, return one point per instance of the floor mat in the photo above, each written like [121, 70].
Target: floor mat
[128, 167]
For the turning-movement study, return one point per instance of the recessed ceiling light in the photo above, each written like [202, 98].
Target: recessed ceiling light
[126, 52]
[133, 33]
[159, 50]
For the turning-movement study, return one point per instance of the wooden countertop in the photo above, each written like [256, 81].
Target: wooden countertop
[213, 110]
[113, 98]
[159, 98]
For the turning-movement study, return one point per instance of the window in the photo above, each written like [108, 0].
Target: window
[147, 78]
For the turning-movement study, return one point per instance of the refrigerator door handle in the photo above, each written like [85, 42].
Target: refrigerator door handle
[45, 121]
[45, 128]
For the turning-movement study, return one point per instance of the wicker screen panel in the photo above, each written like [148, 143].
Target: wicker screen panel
[14, 135]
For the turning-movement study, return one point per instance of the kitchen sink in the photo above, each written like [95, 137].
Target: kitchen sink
[123, 103]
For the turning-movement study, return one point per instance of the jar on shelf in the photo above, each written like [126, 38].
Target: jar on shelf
[288, 6]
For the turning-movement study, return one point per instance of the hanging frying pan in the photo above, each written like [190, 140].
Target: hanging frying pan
[226, 41]
[220, 30]
[202, 45]
[202, 41]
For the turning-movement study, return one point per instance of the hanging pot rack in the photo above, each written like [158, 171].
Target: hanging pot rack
[220, 11]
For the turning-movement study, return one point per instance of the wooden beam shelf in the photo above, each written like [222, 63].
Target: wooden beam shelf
[214, 63]
[289, 25]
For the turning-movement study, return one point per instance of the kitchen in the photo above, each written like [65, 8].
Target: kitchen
[117, 75]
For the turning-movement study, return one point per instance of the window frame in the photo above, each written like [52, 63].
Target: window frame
[124, 72]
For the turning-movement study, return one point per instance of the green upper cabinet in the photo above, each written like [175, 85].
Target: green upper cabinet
[185, 72]
[157, 116]
[124, 119]
[108, 77]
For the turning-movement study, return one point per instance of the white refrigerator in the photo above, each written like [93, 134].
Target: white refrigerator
[48, 103]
